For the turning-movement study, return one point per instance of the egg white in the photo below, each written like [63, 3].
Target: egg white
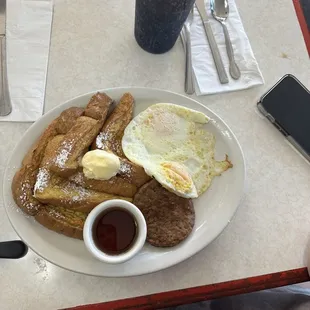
[166, 132]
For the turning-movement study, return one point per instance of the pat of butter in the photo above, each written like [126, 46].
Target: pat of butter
[100, 165]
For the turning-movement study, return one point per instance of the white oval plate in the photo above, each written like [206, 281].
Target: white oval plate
[214, 209]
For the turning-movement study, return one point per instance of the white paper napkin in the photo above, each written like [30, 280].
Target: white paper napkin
[28, 29]
[206, 77]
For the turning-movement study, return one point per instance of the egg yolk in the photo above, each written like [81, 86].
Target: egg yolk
[177, 175]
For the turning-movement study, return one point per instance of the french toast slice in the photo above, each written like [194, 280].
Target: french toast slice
[61, 125]
[72, 146]
[80, 136]
[25, 178]
[22, 190]
[67, 119]
[126, 183]
[115, 186]
[111, 134]
[132, 173]
[61, 220]
[98, 107]
[60, 192]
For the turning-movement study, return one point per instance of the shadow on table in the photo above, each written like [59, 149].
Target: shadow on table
[292, 297]
[305, 4]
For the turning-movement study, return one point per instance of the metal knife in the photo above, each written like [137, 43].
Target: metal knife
[5, 101]
[200, 4]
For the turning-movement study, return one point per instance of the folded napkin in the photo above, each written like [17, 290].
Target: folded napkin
[28, 29]
[206, 77]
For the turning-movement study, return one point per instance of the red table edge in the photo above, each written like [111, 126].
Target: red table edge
[205, 292]
[303, 24]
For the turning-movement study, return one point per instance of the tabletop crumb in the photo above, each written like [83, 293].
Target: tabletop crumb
[284, 55]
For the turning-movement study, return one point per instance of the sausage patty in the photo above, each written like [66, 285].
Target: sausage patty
[169, 218]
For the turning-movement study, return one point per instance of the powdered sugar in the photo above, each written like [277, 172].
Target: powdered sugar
[125, 169]
[63, 154]
[23, 196]
[78, 178]
[79, 192]
[101, 140]
[56, 214]
[106, 141]
[42, 180]
[26, 199]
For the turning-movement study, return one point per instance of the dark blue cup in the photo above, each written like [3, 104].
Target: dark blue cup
[158, 23]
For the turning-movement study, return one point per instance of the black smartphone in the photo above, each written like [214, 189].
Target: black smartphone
[287, 106]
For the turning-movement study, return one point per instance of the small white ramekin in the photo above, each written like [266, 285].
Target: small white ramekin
[138, 243]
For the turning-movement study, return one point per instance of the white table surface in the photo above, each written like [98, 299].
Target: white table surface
[92, 48]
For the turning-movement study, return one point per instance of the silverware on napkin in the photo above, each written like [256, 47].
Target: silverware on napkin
[220, 12]
[189, 83]
[200, 4]
[5, 101]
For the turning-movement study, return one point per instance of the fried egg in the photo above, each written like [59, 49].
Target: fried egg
[172, 145]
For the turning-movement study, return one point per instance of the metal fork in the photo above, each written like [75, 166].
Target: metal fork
[186, 39]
